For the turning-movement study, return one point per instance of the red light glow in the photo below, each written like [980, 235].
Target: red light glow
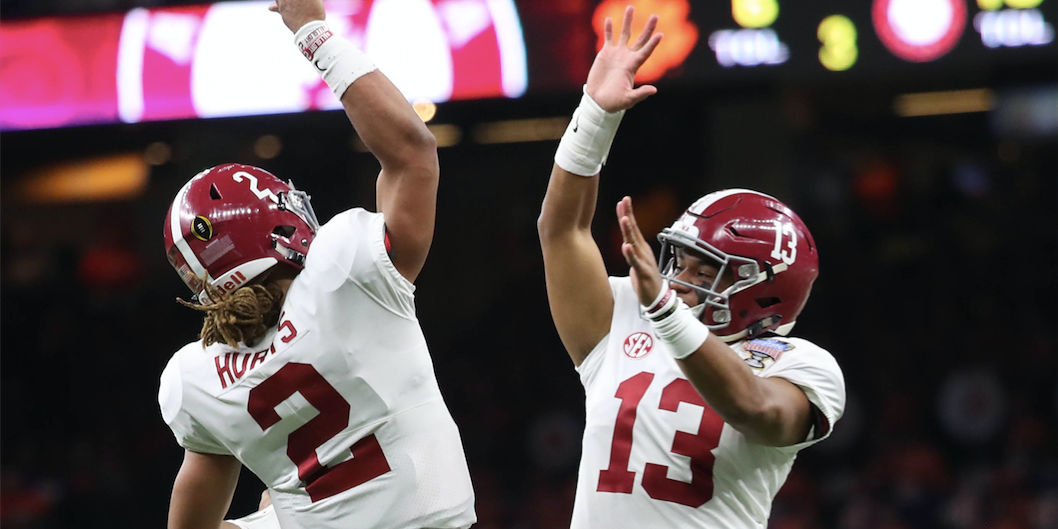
[919, 30]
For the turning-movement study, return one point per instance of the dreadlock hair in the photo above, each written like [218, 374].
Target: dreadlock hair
[244, 315]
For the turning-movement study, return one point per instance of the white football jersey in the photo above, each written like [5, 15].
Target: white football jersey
[655, 455]
[337, 409]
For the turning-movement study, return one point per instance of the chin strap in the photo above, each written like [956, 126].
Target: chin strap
[758, 327]
[291, 254]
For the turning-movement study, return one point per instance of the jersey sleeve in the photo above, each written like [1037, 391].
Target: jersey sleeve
[188, 432]
[589, 367]
[351, 248]
[815, 371]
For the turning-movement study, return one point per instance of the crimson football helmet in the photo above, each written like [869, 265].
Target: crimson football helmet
[763, 245]
[231, 223]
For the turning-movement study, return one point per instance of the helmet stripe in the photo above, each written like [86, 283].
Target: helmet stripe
[708, 200]
[178, 237]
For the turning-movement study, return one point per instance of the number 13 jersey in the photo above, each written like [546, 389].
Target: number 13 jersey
[656, 455]
[337, 409]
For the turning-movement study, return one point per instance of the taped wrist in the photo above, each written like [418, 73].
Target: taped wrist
[586, 143]
[675, 324]
[336, 59]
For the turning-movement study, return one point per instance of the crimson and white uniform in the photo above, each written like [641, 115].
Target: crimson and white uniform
[337, 409]
[655, 455]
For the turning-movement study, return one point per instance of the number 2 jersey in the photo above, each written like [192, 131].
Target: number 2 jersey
[656, 455]
[337, 409]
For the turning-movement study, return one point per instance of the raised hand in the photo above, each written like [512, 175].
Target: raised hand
[297, 13]
[611, 79]
[646, 279]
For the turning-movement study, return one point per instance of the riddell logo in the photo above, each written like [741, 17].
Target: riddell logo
[234, 280]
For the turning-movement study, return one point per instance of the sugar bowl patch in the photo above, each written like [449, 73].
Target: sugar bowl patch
[762, 349]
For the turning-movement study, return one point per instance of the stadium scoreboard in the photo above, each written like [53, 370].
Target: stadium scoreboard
[783, 38]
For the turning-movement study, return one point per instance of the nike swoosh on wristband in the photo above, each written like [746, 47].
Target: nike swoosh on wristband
[576, 124]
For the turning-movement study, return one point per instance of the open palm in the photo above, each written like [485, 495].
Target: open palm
[643, 269]
[611, 79]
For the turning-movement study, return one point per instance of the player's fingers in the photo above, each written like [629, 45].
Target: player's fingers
[629, 254]
[644, 53]
[626, 220]
[627, 235]
[626, 204]
[641, 242]
[626, 26]
[635, 260]
[274, 8]
[607, 28]
[622, 209]
[642, 93]
[633, 235]
[652, 24]
[639, 252]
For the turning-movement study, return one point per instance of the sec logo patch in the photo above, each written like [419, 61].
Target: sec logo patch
[638, 345]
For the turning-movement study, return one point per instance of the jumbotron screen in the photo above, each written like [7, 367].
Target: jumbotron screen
[237, 58]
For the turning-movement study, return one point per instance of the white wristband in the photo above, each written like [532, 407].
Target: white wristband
[675, 324]
[262, 519]
[586, 143]
[662, 304]
[338, 60]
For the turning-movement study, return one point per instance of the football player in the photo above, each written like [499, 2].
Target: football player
[311, 369]
[697, 400]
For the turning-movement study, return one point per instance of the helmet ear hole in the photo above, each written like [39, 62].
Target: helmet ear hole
[214, 193]
[284, 231]
[768, 301]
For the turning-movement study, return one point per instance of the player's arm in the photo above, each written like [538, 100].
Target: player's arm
[407, 186]
[203, 490]
[768, 411]
[406, 190]
[577, 286]
[576, 279]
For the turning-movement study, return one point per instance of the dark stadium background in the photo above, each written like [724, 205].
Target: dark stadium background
[937, 291]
